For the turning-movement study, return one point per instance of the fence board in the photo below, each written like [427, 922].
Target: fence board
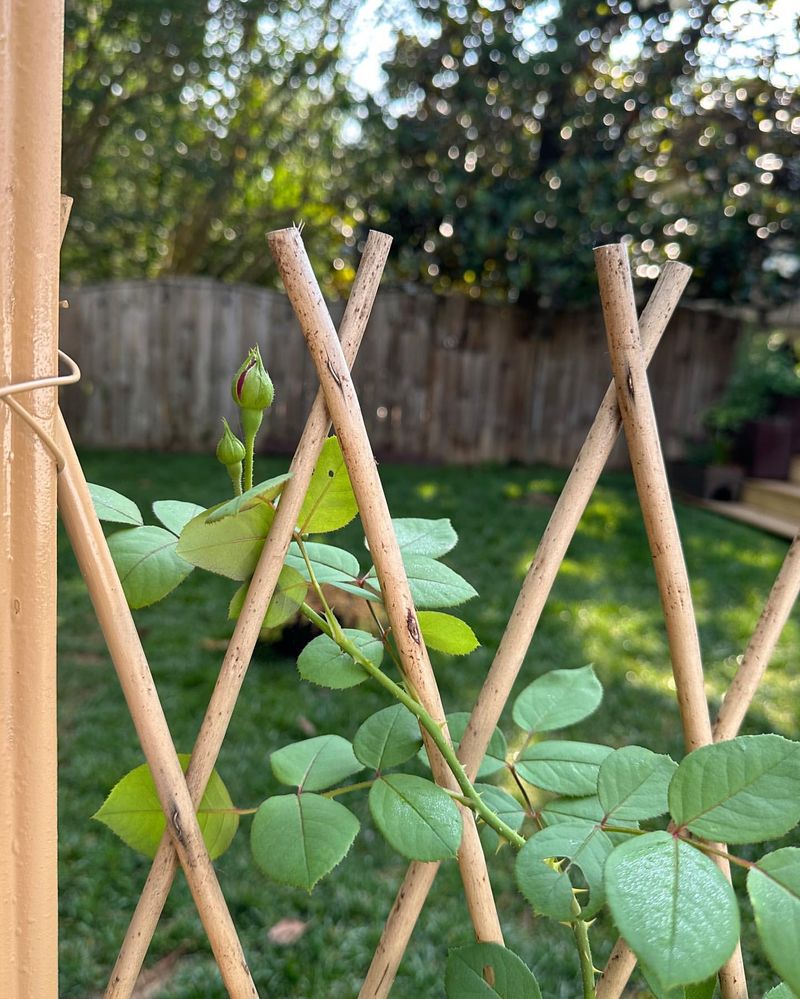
[442, 379]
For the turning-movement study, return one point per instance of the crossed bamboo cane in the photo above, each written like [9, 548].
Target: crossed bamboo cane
[182, 842]
[632, 344]
[379, 531]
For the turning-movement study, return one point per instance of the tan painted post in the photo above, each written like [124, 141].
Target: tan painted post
[31, 44]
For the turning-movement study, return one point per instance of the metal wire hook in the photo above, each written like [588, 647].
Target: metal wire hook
[7, 392]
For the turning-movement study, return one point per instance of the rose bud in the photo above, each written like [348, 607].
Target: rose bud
[252, 387]
[230, 450]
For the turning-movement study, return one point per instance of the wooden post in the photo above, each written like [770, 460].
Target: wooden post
[31, 45]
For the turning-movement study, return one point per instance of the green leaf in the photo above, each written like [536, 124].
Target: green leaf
[387, 738]
[330, 564]
[557, 699]
[333, 566]
[329, 502]
[674, 907]
[506, 807]
[503, 804]
[133, 812]
[114, 507]
[774, 889]
[289, 593]
[324, 663]
[446, 633]
[419, 536]
[417, 818]
[742, 791]
[495, 758]
[466, 974]
[569, 768]
[586, 809]
[147, 564]
[548, 888]
[259, 495]
[315, 764]
[781, 991]
[175, 514]
[230, 547]
[434, 584]
[633, 784]
[297, 839]
[697, 990]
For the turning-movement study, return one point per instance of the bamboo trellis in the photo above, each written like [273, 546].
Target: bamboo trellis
[627, 404]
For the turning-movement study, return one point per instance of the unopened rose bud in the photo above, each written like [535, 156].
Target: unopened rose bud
[230, 450]
[231, 453]
[252, 387]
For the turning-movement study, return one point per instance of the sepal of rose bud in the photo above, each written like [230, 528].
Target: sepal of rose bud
[230, 450]
[251, 387]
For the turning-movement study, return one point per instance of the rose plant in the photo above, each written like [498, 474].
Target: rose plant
[593, 826]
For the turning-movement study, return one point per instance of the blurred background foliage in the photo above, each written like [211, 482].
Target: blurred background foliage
[498, 140]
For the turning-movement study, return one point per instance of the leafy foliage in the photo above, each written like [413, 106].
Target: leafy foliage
[297, 839]
[417, 818]
[132, 810]
[387, 738]
[324, 663]
[674, 907]
[633, 783]
[774, 888]
[560, 698]
[148, 564]
[329, 503]
[742, 791]
[467, 976]
[547, 885]
[315, 764]
[569, 768]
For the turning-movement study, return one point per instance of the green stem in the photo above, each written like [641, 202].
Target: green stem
[332, 629]
[434, 730]
[360, 786]
[249, 450]
[580, 930]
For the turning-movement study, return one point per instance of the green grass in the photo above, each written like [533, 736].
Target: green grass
[604, 609]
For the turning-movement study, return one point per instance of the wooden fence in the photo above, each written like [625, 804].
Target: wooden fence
[440, 379]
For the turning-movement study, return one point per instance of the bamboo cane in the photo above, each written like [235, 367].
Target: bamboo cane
[240, 650]
[641, 432]
[303, 291]
[522, 624]
[734, 707]
[116, 621]
[761, 646]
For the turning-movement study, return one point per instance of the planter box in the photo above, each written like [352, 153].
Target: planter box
[717, 482]
[765, 447]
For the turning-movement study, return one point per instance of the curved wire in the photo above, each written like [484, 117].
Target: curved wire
[50, 381]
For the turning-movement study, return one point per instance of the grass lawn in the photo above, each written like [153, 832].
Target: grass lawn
[604, 609]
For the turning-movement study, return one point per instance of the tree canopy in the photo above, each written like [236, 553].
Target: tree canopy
[508, 139]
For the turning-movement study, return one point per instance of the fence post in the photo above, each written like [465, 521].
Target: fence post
[31, 45]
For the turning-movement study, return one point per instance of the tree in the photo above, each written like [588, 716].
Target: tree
[524, 134]
[190, 129]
